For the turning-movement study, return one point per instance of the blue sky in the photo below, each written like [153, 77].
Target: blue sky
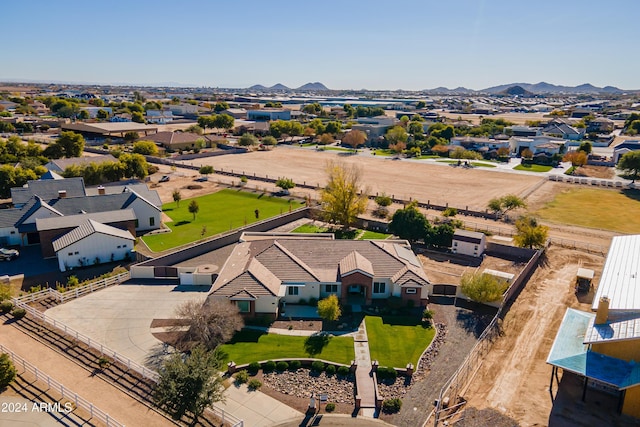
[345, 44]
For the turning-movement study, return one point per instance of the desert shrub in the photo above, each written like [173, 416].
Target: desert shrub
[253, 368]
[330, 407]
[254, 384]
[391, 406]
[427, 314]
[269, 366]
[343, 371]
[7, 370]
[394, 302]
[387, 373]
[411, 303]
[19, 313]
[317, 366]
[294, 365]
[6, 306]
[104, 362]
[282, 366]
[242, 376]
[331, 370]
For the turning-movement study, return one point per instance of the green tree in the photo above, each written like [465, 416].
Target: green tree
[440, 130]
[206, 170]
[342, 198]
[329, 308]
[146, 148]
[220, 106]
[224, 121]
[130, 137]
[83, 115]
[134, 165]
[415, 128]
[205, 122]
[7, 370]
[482, 287]
[396, 134]
[504, 204]
[176, 196]
[348, 108]
[586, 147]
[409, 223]
[195, 129]
[333, 127]
[113, 171]
[137, 117]
[194, 208]
[69, 144]
[314, 108]
[286, 184]
[102, 114]
[190, 384]
[421, 104]
[529, 234]
[630, 164]
[248, 140]
[269, 141]
[317, 126]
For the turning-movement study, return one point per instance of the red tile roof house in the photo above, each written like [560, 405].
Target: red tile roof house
[265, 271]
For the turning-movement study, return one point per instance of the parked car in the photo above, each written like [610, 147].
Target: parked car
[8, 254]
[165, 178]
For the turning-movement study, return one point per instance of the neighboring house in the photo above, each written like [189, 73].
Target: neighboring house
[624, 148]
[92, 243]
[49, 229]
[470, 243]
[47, 189]
[51, 175]
[518, 145]
[479, 143]
[59, 165]
[262, 275]
[182, 109]
[521, 131]
[374, 127]
[178, 140]
[603, 348]
[562, 130]
[236, 113]
[159, 116]
[601, 125]
[268, 114]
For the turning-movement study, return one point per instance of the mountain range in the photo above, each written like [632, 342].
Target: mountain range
[537, 88]
[315, 86]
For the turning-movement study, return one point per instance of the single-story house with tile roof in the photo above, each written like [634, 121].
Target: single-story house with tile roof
[92, 243]
[179, 140]
[59, 165]
[604, 347]
[264, 273]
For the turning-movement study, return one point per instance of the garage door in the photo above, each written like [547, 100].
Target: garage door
[444, 289]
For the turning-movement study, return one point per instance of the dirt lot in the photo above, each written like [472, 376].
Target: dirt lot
[517, 118]
[403, 179]
[514, 377]
[595, 172]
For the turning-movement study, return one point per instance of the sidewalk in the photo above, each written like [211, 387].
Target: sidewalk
[256, 409]
[364, 378]
[105, 396]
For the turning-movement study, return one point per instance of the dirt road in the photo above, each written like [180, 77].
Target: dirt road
[514, 377]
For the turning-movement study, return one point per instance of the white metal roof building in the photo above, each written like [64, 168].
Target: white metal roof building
[620, 282]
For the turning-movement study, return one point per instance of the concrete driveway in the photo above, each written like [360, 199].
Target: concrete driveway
[256, 409]
[29, 263]
[120, 316]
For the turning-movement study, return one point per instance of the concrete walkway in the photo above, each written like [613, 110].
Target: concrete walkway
[256, 409]
[364, 377]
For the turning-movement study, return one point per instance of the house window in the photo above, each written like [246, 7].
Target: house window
[293, 290]
[379, 287]
[152, 221]
[118, 246]
[137, 223]
[70, 253]
[244, 306]
[331, 289]
[13, 232]
[412, 291]
[76, 253]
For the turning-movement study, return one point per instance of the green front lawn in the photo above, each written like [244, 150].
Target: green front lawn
[596, 208]
[373, 235]
[334, 148]
[219, 212]
[397, 340]
[533, 168]
[383, 152]
[310, 228]
[251, 346]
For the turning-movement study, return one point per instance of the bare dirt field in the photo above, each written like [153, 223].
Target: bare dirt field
[445, 268]
[514, 377]
[595, 172]
[517, 118]
[439, 184]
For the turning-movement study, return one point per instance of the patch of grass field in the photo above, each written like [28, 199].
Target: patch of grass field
[222, 211]
[533, 168]
[397, 340]
[310, 228]
[570, 170]
[332, 148]
[590, 207]
[373, 235]
[475, 164]
[251, 346]
[383, 152]
[427, 156]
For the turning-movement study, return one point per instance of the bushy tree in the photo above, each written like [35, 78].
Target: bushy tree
[577, 158]
[354, 138]
[409, 223]
[194, 208]
[285, 183]
[148, 148]
[269, 140]
[190, 384]
[209, 324]
[7, 370]
[530, 234]
[247, 140]
[69, 144]
[630, 164]
[343, 199]
[482, 287]
[504, 204]
[176, 196]
[206, 170]
[329, 308]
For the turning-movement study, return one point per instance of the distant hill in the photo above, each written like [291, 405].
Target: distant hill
[548, 88]
[516, 91]
[446, 91]
[278, 86]
[258, 87]
[313, 86]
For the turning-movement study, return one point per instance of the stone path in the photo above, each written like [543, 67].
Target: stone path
[364, 377]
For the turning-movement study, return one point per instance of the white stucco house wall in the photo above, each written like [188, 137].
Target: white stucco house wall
[92, 243]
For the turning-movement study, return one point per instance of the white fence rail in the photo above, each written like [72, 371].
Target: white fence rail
[78, 401]
[74, 293]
